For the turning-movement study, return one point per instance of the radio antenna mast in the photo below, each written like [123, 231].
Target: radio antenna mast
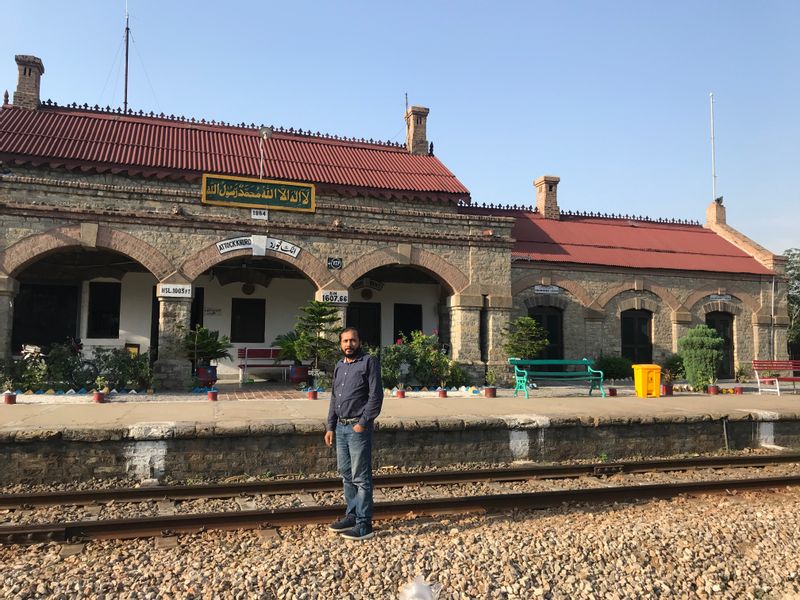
[127, 37]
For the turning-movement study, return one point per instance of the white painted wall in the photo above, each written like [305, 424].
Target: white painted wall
[403, 293]
[134, 318]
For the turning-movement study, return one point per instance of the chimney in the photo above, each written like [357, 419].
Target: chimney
[547, 196]
[416, 121]
[31, 70]
[715, 213]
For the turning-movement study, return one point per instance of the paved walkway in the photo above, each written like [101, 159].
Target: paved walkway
[281, 403]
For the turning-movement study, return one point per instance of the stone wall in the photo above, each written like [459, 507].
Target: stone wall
[283, 447]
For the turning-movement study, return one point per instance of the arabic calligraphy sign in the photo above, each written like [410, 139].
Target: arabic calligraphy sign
[258, 193]
[259, 244]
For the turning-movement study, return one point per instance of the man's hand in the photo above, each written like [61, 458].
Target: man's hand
[329, 438]
[358, 428]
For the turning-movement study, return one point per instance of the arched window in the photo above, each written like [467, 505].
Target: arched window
[637, 339]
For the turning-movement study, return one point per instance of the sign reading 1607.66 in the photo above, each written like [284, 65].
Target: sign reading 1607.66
[335, 296]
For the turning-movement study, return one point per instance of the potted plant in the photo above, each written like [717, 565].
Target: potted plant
[490, 391]
[713, 388]
[202, 346]
[671, 369]
[701, 351]
[101, 385]
[317, 326]
[9, 395]
[290, 351]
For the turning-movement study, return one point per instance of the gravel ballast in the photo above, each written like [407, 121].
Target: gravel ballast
[720, 546]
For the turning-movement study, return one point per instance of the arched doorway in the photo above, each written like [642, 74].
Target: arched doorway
[722, 322]
[99, 295]
[551, 318]
[394, 300]
[636, 335]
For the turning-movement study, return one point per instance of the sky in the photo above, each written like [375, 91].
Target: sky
[611, 96]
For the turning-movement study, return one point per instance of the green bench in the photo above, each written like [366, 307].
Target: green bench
[527, 371]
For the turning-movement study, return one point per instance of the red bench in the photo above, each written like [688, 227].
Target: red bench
[769, 372]
[259, 357]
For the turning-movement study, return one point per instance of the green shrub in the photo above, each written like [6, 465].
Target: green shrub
[614, 367]
[672, 368]
[122, 369]
[524, 338]
[701, 350]
[457, 376]
[420, 359]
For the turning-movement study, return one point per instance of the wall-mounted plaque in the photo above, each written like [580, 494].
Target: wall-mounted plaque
[224, 190]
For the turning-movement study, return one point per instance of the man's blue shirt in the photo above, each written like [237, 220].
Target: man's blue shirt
[357, 391]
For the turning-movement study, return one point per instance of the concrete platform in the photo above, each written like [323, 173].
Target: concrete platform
[58, 438]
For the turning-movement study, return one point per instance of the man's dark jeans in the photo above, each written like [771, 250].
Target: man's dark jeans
[354, 457]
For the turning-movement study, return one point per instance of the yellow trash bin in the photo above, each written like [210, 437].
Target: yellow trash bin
[647, 381]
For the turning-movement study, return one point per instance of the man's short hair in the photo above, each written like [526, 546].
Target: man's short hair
[346, 329]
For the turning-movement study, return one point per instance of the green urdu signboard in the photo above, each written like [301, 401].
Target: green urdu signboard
[258, 193]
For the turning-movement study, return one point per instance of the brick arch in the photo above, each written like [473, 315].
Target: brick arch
[720, 306]
[307, 264]
[661, 292]
[547, 300]
[18, 256]
[448, 274]
[528, 281]
[746, 299]
[637, 304]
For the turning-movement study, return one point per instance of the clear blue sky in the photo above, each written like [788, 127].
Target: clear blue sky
[610, 96]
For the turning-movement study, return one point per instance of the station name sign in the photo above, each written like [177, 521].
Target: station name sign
[172, 290]
[259, 244]
[223, 190]
[546, 289]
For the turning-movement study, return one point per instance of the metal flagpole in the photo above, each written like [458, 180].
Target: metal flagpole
[713, 153]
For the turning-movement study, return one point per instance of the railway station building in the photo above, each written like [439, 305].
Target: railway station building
[123, 228]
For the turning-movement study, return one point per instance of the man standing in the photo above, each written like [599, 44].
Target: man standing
[356, 399]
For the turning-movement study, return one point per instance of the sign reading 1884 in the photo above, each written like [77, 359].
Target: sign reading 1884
[335, 296]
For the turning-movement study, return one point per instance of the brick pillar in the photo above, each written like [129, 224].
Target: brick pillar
[770, 341]
[172, 370]
[8, 290]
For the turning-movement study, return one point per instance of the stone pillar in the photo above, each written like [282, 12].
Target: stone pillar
[172, 370]
[681, 323]
[465, 316]
[594, 344]
[498, 316]
[8, 290]
[770, 340]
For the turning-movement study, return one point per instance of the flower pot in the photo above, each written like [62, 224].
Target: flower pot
[212, 395]
[442, 393]
[738, 390]
[490, 392]
[713, 390]
[612, 391]
[207, 375]
[666, 389]
[9, 398]
[298, 373]
[401, 393]
[312, 394]
[98, 397]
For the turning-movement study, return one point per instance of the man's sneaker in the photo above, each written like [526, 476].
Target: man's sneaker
[342, 525]
[359, 532]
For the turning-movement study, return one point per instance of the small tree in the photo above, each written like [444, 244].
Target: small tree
[317, 326]
[701, 350]
[202, 345]
[524, 338]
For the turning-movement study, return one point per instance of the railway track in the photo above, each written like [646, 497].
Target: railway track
[168, 525]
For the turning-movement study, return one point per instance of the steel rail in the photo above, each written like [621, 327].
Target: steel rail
[289, 486]
[254, 519]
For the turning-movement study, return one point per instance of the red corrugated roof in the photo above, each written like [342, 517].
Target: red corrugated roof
[77, 137]
[624, 243]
